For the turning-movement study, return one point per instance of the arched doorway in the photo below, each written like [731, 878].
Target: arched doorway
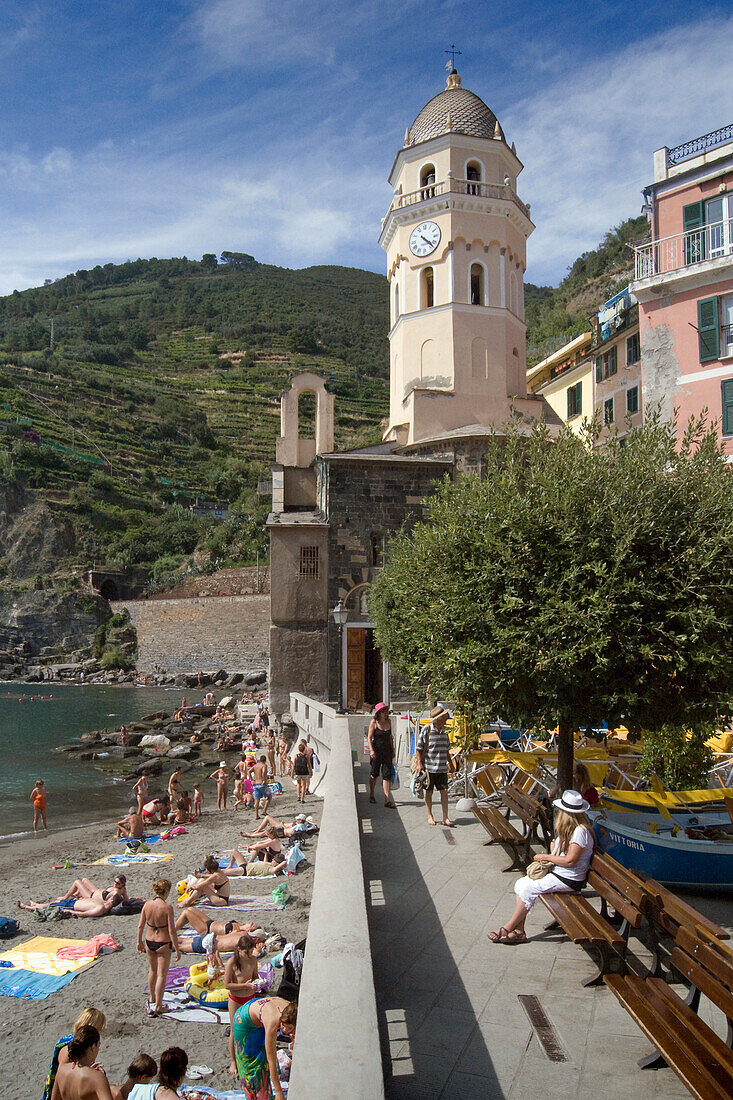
[366, 675]
[108, 589]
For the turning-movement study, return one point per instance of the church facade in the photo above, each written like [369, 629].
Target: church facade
[455, 237]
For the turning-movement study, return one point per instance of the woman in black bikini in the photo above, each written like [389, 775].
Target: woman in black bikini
[157, 938]
[214, 886]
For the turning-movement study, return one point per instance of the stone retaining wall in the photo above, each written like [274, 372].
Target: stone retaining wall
[197, 635]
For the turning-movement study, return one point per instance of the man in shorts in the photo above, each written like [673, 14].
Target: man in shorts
[432, 749]
[261, 788]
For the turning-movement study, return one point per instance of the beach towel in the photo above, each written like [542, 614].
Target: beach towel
[39, 955]
[179, 1006]
[143, 839]
[103, 944]
[28, 985]
[244, 904]
[213, 1094]
[126, 859]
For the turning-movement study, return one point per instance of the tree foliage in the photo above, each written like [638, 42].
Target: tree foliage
[573, 584]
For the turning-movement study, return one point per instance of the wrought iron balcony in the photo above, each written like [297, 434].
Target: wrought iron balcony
[700, 145]
[683, 250]
[457, 187]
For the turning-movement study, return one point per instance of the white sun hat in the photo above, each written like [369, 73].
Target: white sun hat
[572, 802]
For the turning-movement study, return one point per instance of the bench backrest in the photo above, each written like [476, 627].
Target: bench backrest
[525, 807]
[619, 887]
[670, 912]
[707, 964]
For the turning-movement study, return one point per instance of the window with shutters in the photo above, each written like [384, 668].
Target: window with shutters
[607, 365]
[632, 400]
[309, 562]
[727, 395]
[575, 399]
[726, 325]
[708, 332]
[633, 349]
[608, 411]
[708, 228]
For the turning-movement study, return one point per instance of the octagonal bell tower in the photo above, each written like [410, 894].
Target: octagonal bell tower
[455, 237]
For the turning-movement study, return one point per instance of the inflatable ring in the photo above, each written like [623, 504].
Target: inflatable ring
[199, 988]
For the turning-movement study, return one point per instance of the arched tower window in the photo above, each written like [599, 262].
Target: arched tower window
[477, 285]
[427, 289]
[427, 181]
[513, 297]
[473, 177]
[396, 302]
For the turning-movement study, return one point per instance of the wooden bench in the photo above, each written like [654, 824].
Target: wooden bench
[699, 1057]
[667, 913]
[582, 922]
[528, 811]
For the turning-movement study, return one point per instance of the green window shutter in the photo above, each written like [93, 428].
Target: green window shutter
[708, 332]
[612, 360]
[632, 400]
[599, 368]
[693, 217]
[727, 388]
[579, 397]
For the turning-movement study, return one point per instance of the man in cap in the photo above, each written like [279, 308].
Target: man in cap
[432, 749]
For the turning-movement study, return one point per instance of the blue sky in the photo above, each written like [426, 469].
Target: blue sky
[175, 127]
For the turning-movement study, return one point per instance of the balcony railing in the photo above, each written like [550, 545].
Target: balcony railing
[457, 187]
[700, 144]
[668, 254]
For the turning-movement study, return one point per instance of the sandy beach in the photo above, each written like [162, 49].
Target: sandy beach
[116, 984]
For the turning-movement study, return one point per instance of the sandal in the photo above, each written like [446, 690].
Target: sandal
[514, 937]
[390, 806]
[498, 936]
[372, 799]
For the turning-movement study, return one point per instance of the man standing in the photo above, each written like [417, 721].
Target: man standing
[432, 752]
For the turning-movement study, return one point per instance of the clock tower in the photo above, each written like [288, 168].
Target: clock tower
[455, 237]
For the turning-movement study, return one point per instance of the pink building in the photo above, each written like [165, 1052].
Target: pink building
[684, 282]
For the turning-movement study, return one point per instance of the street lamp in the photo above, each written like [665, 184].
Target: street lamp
[340, 615]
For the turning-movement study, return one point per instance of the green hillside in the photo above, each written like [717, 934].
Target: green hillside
[163, 386]
[130, 392]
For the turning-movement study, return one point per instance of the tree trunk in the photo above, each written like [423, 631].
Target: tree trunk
[564, 755]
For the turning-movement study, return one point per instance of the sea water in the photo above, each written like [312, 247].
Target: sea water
[35, 718]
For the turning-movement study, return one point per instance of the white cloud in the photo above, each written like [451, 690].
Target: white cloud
[587, 138]
[57, 162]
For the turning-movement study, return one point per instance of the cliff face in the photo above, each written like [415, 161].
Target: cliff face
[33, 537]
[55, 622]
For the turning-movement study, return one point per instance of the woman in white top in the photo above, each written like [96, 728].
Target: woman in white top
[572, 851]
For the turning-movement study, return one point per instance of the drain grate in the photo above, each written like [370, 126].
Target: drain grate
[449, 838]
[543, 1028]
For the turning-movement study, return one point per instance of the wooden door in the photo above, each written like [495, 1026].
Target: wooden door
[355, 650]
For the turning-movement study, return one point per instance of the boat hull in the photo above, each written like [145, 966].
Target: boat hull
[672, 860]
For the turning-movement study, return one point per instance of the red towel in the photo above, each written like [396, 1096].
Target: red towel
[97, 945]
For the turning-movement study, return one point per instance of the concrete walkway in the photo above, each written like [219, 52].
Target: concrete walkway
[451, 1023]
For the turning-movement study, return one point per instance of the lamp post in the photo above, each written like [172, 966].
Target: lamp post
[340, 615]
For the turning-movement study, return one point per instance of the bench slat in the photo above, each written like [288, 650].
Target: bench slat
[703, 1064]
[581, 922]
[629, 910]
[677, 910]
[623, 880]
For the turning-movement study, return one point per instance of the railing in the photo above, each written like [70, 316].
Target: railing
[700, 144]
[726, 339]
[684, 249]
[457, 187]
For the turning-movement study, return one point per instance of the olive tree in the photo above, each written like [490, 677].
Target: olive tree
[573, 583]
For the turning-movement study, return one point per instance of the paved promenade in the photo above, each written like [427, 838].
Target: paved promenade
[452, 1025]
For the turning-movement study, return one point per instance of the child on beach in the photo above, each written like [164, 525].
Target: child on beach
[140, 1071]
[198, 801]
[38, 798]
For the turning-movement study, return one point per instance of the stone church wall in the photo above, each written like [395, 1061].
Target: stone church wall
[192, 635]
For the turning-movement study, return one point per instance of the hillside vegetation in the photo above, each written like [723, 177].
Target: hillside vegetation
[131, 392]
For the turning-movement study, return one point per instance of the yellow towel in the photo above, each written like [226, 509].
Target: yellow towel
[39, 955]
[118, 860]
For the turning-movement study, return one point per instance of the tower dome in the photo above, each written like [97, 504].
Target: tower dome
[455, 110]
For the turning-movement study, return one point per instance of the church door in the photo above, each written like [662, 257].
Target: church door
[363, 667]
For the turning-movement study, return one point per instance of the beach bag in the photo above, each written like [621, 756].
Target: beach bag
[414, 759]
[315, 763]
[537, 870]
[395, 782]
[8, 928]
[280, 893]
[292, 963]
[294, 857]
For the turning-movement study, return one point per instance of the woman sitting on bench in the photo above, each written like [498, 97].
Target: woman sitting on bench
[572, 851]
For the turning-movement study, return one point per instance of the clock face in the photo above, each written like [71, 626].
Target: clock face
[424, 238]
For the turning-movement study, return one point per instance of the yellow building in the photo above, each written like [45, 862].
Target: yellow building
[565, 380]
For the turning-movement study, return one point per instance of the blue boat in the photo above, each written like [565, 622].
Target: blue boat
[693, 850]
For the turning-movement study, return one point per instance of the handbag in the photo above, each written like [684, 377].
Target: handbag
[536, 869]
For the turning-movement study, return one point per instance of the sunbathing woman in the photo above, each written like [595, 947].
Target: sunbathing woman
[239, 974]
[255, 1029]
[214, 886]
[301, 825]
[84, 899]
[80, 1078]
[241, 863]
[157, 938]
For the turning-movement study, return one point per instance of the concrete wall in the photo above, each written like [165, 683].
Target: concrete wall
[229, 632]
[337, 1049]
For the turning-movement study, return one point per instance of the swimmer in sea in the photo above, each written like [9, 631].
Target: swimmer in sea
[38, 798]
